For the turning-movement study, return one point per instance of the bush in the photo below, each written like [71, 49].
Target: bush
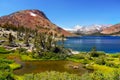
[6, 75]
[22, 50]
[99, 75]
[5, 70]
[89, 67]
[94, 53]
[101, 60]
[86, 61]
[112, 64]
[55, 56]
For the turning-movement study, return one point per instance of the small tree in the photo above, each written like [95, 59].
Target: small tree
[62, 36]
[93, 52]
[10, 39]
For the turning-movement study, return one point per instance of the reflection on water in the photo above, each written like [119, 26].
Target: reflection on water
[109, 44]
[42, 66]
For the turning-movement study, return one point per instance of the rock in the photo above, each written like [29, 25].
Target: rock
[2, 41]
[75, 67]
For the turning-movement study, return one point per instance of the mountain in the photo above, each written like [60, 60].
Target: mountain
[115, 29]
[31, 19]
[87, 30]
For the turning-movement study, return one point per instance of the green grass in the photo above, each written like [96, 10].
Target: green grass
[5, 70]
[14, 66]
[92, 63]
[3, 55]
[75, 60]
[4, 51]
[27, 58]
[53, 75]
[103, 68]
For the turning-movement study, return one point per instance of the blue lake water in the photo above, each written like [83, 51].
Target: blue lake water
[108, 44]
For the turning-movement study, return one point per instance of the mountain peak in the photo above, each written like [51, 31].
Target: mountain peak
[32, 19]
[32, 12]
[90, 29]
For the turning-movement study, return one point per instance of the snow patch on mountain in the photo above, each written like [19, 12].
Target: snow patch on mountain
[33, 14]
[90, 29]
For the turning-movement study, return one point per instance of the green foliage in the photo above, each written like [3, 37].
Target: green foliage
[6, 61]
[22, 50]
[79, 56]
[101, 60]
[6, 75]
[46, 47]
[53, 56]
[4, 51]
[86, 76]
[5, 70]
[43, 44]
[89, 67]
[115, 55]
[112, 64]
[51, 76]
[97, 75]
[93, 52]
[14, 66]
[10, 39]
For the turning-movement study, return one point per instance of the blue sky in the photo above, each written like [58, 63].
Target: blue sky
[68, 13]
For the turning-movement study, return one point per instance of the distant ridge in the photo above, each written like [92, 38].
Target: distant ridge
[88, 30]
[115, 29]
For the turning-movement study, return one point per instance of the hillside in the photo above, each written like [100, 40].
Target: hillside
[115, 29]
[89, 30]
[31, 19]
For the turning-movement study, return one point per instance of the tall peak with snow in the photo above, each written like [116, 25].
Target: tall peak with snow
[89, 29]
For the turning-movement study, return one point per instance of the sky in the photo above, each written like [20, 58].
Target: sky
[68, 13]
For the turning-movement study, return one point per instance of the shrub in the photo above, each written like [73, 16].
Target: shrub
[86, 61]
[89, 67]
[94, 53]
[5, 70]
[99, 75]
[22, 50]
[100, 60]
[6, 75]
[112, 64]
